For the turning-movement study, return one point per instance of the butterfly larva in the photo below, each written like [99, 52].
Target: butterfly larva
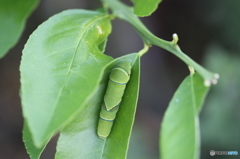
[118, 80]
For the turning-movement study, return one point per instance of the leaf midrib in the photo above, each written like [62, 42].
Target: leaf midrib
[194, 105]
[70, 66]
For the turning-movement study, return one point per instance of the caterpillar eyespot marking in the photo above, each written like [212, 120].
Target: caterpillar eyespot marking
[118, 80]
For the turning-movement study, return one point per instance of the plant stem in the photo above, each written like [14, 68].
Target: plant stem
[123, 12]
[144, 50]
[174, 49]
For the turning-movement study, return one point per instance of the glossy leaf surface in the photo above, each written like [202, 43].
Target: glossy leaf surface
[180, 136]
[80, 140]
[144, 8]
[33, 151]
[61, 65]
[13, 15]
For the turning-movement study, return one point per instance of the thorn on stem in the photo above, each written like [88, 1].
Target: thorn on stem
[175, 38]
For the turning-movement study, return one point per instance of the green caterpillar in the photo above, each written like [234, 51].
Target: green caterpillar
[118, 80]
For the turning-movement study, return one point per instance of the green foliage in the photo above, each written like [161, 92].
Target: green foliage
[61, 66]
[33, 151]
[144, 8]
[79, 139]
[64, 77]
[13, 15]
[180, 136]
[124, 12]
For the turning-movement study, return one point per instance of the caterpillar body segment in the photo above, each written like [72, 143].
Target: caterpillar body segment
[106, 121]
[118, 80]
[119, 77]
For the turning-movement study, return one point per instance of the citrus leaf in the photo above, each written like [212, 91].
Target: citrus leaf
[80, 140]
[61, 64]
[144, 8]
[33, 151]
[13, 15]
[180, 136]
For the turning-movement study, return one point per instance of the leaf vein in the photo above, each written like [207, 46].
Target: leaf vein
[71, 63]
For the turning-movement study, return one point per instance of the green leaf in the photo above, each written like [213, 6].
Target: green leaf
[180, 136]
[61, 65]
[13, 15]
[33, 151]
[144, 8]
[80, 140]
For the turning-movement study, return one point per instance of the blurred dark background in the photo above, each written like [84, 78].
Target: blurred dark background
[209, 33]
